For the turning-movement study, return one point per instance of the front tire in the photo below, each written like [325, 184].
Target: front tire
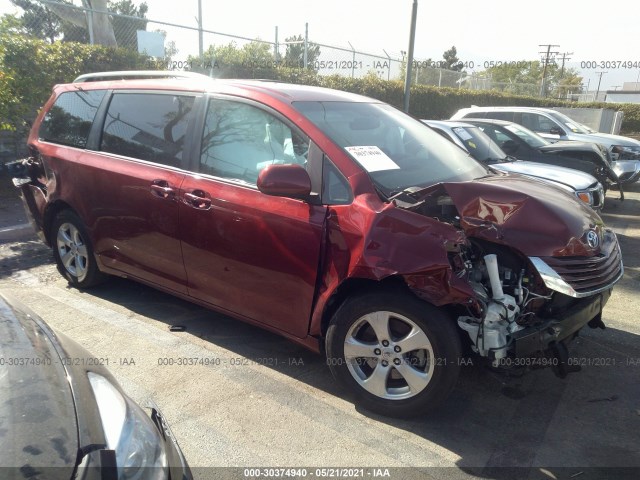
[396, 353]
[73, 252]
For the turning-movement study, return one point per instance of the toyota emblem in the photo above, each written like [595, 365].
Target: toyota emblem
[592, 239]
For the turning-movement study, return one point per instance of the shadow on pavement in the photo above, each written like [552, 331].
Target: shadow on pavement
[501, 428]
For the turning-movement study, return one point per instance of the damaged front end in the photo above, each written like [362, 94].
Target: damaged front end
[540, 265]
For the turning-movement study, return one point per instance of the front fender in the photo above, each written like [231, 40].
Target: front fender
[372, 240]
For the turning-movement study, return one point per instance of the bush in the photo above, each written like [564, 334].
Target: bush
[31, 67]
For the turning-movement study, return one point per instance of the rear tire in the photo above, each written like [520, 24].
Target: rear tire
[73, 251]
[396, 353]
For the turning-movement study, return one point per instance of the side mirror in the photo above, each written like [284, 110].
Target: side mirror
[285, 181]
[556, 131]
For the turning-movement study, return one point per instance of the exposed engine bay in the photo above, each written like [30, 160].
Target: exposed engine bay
[516, 311]
[505, 301]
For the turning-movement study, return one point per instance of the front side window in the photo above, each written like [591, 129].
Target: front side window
[572, 125]
[148, 126]
[533, 139]
[70, 118]
[239, 140]
[335, 188]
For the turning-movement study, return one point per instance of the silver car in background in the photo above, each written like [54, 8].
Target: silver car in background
[624, 152]
[470, 138]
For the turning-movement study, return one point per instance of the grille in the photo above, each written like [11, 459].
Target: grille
[590, 274]
[598, 196]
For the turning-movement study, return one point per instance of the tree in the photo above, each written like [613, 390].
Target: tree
[11, 25]
[253, 60]
[294, 56]
[125, 28]
[525, 77]
[62, 21]
[102, 29]
[39, 21]
[170, 49]
[451, 60]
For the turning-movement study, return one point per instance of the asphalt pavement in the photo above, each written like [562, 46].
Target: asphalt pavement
[237, 396]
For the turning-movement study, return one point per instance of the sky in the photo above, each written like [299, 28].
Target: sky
[490, 30]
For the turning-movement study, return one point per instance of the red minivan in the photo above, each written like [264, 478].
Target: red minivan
[330, 218]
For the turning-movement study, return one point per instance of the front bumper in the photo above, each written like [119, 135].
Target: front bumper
[542, 337]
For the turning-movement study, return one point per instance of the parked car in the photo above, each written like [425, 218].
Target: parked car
[64, 415]
[624, 152]
[515, 139]
[330, 218]
[481, 147]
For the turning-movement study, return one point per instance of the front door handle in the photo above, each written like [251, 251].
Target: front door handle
[198, 199]
[161, 188]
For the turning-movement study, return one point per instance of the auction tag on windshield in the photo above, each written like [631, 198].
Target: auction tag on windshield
[372, 158]
[462, 133]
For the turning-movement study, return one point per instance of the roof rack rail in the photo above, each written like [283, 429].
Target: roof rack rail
[136, 74]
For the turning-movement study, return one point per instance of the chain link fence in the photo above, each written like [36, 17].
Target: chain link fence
[173, 46]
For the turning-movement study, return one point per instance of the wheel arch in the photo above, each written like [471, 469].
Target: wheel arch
[354, 286]
[50, 214]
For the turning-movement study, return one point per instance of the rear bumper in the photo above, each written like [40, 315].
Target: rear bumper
[541, 338]
[33, 201]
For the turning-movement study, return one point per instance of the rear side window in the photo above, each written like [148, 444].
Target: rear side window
[148, 126]
[70, 118]
[508, 116]
[537, 122]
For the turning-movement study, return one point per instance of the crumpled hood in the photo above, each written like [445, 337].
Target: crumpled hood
[530, 216]
[574, 179]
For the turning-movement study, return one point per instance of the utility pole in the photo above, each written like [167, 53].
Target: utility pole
[306, 45]
[564, 58]
[543, 86]
[412, 38]
[200, 39]
[599, 80]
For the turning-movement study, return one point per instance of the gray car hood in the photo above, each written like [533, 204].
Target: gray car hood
[37, 415]
[606, 139]
[574, 179]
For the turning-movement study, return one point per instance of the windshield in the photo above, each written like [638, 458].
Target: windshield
[572, 125]
[479, 144]
[531, 138]
[397, 150]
